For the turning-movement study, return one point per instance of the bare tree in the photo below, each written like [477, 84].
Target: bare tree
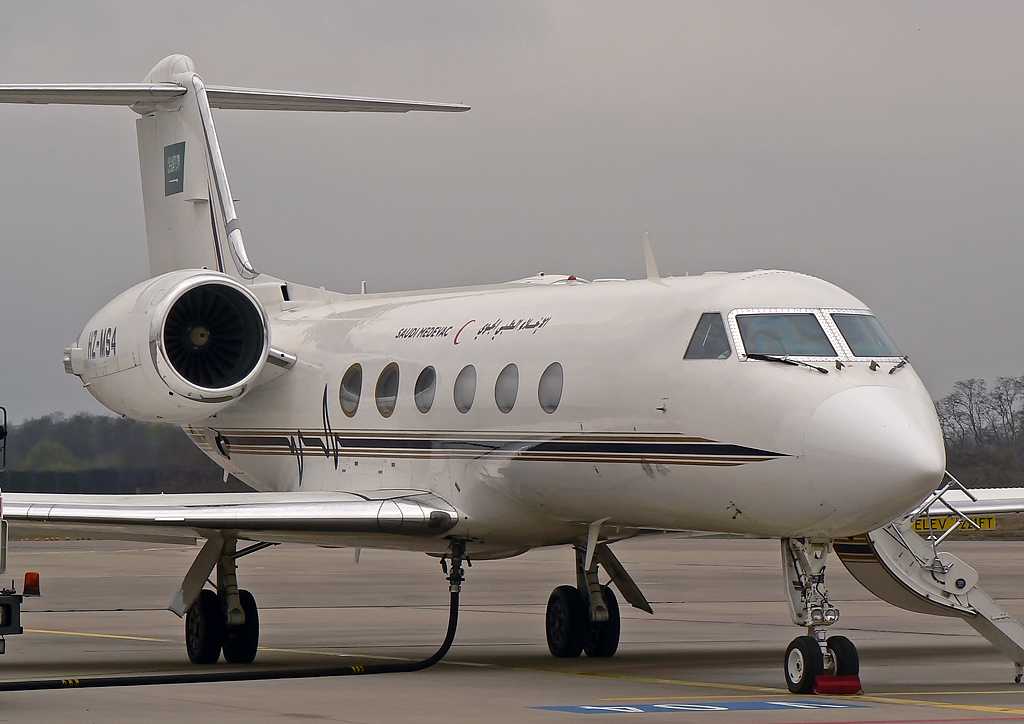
[1005, 403]
[973, 408]
[954, 429]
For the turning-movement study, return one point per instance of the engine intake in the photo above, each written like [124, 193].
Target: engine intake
[214, 336]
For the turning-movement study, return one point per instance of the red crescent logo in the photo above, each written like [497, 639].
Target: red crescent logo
[462, 328]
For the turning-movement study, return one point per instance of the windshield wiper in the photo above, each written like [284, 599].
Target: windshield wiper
[903, 361]
[786, 360]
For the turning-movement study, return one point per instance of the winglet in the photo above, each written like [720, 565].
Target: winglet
[652, 266]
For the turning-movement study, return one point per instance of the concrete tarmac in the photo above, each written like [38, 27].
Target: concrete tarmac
[712, 651]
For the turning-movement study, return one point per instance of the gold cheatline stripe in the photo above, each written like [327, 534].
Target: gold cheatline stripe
[463, 434]
[525, 453]
[525, 437]
[724, 461]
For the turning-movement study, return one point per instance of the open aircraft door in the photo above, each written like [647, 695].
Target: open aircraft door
[902, 568]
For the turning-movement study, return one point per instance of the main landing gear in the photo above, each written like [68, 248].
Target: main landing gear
[816, 654]
[584, 617]
[207, 631]
[226, 620]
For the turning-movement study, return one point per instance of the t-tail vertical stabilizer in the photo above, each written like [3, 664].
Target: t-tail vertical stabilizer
[182, 171]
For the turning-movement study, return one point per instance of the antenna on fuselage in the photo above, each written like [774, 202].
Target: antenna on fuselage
[652, 266]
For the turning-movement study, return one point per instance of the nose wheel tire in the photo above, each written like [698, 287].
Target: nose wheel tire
[845, 655]
[602, 637]
[205, 629]
[804, 663]
[241, 642]
[566, 622]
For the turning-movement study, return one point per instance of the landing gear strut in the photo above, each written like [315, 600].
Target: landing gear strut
[816, 654]
[584, 618]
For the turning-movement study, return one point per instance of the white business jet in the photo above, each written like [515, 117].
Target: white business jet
[482, 421]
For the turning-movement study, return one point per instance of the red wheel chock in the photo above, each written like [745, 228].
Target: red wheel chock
[841, 685]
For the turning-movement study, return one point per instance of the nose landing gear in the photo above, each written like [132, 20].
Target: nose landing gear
[815, 662]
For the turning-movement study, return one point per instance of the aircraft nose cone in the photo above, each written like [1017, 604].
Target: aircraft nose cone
[873, 452]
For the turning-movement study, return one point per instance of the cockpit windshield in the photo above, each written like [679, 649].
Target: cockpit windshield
[865, 335]
[709, 340]
[798, 334]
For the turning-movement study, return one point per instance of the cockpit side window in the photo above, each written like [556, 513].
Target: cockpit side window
[865, 335]
[709, 340]
[798, 334]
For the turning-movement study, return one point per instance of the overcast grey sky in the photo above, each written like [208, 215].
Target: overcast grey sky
[877, 145]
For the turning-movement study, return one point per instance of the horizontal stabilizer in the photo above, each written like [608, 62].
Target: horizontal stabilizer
[270, 100]
[148, 94]
[92, 94]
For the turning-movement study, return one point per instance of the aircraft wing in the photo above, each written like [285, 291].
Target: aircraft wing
[990, 501]
[341, 518]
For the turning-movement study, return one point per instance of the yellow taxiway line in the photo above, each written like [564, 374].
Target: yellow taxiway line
[755, 696]
[940, 704]
[96, 635]
[761, 690]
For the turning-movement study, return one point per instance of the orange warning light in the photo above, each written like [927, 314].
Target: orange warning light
[31, 584]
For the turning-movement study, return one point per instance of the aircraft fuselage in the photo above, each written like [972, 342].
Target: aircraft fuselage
[640, 436]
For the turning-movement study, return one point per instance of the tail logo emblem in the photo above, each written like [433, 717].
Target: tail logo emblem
[174, 168]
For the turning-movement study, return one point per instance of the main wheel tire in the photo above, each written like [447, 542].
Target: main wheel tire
[565, 622]
[602, 637]
[803, 664]
[241, 642]
[845, 655]
[205, 628]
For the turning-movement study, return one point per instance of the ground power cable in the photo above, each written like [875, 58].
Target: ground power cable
[455, 578]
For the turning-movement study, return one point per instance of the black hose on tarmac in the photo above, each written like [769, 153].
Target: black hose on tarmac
[204, 676]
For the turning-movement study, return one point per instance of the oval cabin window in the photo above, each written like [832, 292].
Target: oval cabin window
[465, 388]
[506, 388]
[351, 386]
[426, 385]
[387, 390]
[549, 391]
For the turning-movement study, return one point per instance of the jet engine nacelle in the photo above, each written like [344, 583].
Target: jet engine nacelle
[176, 348]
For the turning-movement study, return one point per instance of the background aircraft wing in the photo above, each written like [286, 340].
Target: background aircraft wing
[341, 518]
[990, 501]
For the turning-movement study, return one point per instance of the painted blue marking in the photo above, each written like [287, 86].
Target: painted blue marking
[709, 707]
